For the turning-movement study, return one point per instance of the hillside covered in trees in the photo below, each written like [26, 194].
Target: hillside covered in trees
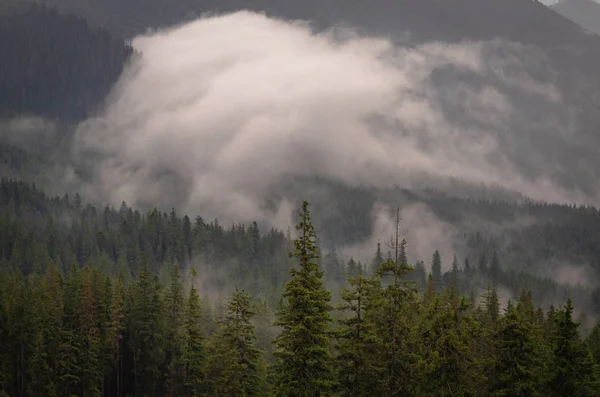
[55, 65]
[87, 332]
[486, 292]
[37, 230]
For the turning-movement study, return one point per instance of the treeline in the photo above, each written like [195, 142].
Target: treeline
[87, 333]
[531, 236]
[36, 230]
[54, 65]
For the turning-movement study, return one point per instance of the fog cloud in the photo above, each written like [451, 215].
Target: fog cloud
[423, 231]
[31, 133]
[212, 114]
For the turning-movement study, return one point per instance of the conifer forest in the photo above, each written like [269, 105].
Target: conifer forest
[285, 198]
[111, 304]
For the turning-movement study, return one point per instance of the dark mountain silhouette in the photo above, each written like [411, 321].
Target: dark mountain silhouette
[583, 12]
[54, 65]
[526, 21]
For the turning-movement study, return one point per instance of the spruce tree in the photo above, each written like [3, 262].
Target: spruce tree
[573, 371]
[436, 271]
[355, 370]
[526, 307]
[430, 291]
[519, 367]
[52, 314]
[41, 383]
[234, 365]
[193, 353]
[454, 274]
[91, 349]
[446, 364]
[392, 309]
[146, 327]
[38, 362]
[490, 304]
[70, 356]
[304, 363]
[593, 343]
[174, 305]
[115, 333]
[377, 259]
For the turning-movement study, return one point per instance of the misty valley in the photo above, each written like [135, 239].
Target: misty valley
[283, 198]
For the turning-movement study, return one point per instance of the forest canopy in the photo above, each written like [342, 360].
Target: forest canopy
[87, 331]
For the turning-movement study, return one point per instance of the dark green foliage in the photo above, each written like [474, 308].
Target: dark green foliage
[114, 337]
[446, 363]
[234, 365]
[391, 303]
[116, 240]
[174, 335]
[520, 357]
[356, 339]
[146, 327]
[490, 305]
[32, 223]
[304, 363]
[573, 371]
[193, 351]
[94, 318]
[87, 334]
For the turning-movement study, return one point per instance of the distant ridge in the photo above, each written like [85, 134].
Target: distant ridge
[585, 13]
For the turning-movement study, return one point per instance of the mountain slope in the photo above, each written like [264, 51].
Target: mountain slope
[524, 21]
[583, 12]
[55, 66]
[558, 54]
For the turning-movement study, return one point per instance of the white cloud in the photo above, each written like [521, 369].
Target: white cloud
[212, 113]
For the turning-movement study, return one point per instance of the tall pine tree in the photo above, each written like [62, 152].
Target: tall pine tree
[304, 363]
[356, 338]
[193, 352]
[234, 365]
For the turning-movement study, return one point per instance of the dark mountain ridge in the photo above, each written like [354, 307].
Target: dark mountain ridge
[585, 13]
[55, 65]
[520, 20]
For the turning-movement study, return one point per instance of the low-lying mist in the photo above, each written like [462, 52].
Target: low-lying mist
[210, 116]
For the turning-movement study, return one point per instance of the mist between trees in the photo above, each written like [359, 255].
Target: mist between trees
[303, 324]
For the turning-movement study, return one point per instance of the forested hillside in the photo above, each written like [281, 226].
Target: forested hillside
[88, 332]
[54, 65]
[535, 237]
[37, 230]
[421, 285]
